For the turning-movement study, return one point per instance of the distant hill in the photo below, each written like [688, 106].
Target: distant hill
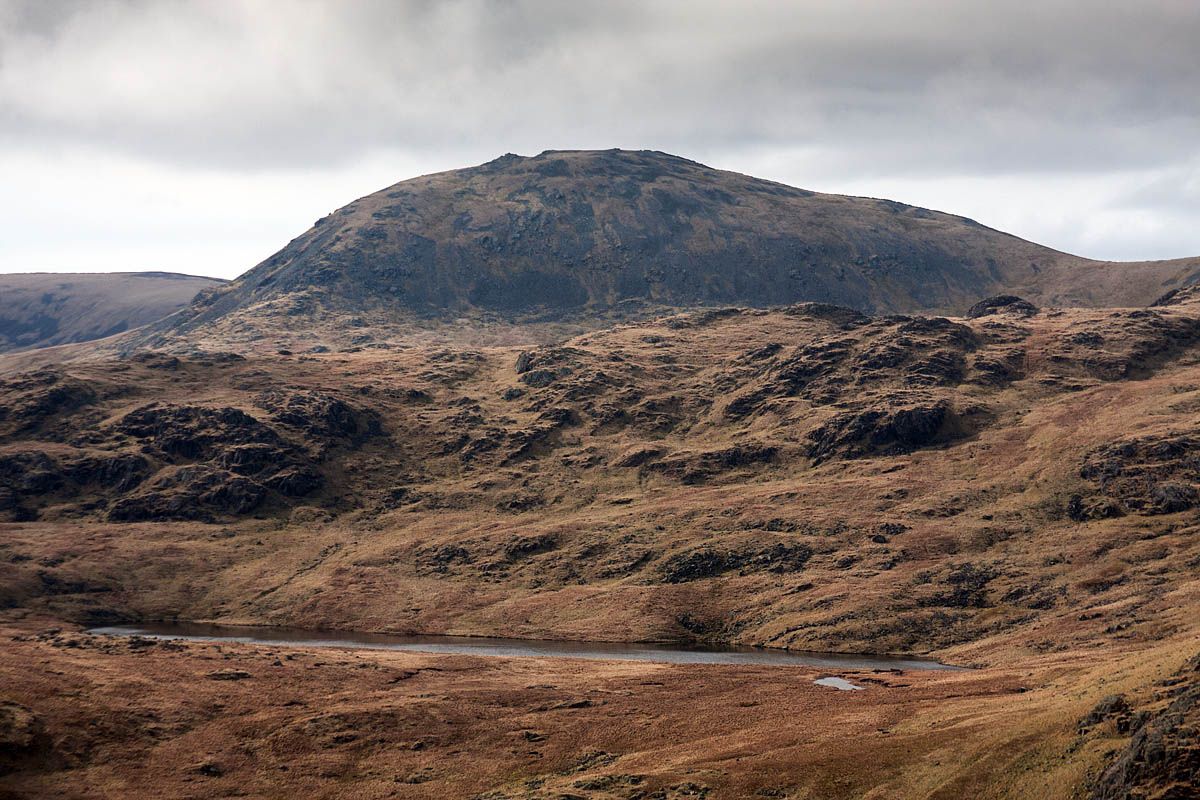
[41, 309]
[582, 234]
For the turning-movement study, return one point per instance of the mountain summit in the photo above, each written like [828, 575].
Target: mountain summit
[583, 233]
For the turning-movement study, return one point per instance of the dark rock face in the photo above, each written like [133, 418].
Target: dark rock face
[878, 430]
[965, 587]
[22, 735]
[1172, 496]
[1001, 303]
[164, 460]
[622, 231]
[120, 472]
[31, 472]
[709, 562]
[540, 368]
[538, 378]
[528, 546]
[318, 414]
[1114, 706]
[296, 482]
[194, 432]
[1154, 475]
[27, 476]
[1162, 759]
[197, 492]
[1177, 297]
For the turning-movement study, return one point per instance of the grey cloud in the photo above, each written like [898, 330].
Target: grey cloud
[1072, 122]
[937, 86]
[1175, 192]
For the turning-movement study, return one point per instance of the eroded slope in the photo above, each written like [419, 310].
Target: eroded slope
[806, 477]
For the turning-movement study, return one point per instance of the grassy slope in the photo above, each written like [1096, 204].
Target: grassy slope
[580, 510]
[47, 309]
[473, 513]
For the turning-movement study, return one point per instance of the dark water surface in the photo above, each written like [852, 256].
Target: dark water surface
[482, 646]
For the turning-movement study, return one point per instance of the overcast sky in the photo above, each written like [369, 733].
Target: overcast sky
[201, 136]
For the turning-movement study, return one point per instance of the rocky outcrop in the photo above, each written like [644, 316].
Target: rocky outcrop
[318, 414]
[31, 399]
[863, 354]
[1081, 510]
[708, 562]
[207, 461]
[1124, 345]
[296, 481]
[1162, 759]
[28, 477]
[1150, 475]
[22, 736]
[1004, 303]
[884, 431]
[1178, 297]
[194, 492]
[193, 432]
[697, 467]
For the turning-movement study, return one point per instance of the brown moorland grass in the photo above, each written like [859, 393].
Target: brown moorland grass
[127, 717]
[1008, 492]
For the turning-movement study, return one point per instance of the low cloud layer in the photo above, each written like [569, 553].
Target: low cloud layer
[1074, 123]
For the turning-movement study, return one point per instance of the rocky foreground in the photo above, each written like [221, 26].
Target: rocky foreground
[1014, 490]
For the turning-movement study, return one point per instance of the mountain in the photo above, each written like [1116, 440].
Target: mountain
[41, 309]
[594, 235]
[1011, 488]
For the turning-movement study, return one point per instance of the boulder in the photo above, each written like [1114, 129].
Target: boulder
[1002, 303]
[1169, 497]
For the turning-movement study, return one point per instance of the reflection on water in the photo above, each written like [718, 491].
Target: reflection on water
[470, 645]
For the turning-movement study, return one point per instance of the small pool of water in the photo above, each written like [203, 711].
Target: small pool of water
[482, 646]
[839, 683]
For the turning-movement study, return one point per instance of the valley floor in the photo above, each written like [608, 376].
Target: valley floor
[94, 716]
